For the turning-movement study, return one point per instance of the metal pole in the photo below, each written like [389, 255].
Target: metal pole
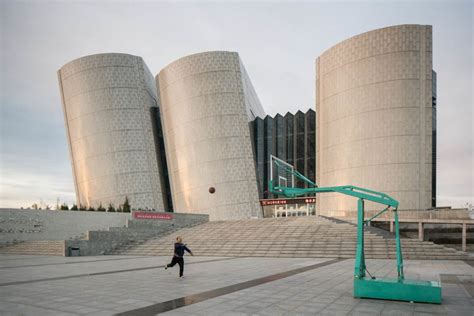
[359, 271]
[399, 248]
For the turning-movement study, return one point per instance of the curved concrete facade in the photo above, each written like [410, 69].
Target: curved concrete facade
[207, 103]
[106, 101]
[374, 117]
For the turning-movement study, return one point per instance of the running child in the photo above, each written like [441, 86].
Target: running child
[179, 249]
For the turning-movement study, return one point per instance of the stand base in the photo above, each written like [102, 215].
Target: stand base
[403, 290]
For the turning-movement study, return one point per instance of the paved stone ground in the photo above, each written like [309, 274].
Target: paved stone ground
[105, 285]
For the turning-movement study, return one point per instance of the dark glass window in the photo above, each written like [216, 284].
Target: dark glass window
[289, 135]
[300, 148]
[279, 137]
[434, 140]
[290, 138]
[258, 132]
[161, 155]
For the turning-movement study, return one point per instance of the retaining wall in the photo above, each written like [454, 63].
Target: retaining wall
[25, 225]
[143, 225]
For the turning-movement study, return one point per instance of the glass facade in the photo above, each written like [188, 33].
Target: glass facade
[279, 137]
[289, 144]
[258, 134]
[160, 154]
[310, 145]
[290, 138]
[299, 160]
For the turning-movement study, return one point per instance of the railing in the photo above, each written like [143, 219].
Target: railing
[421, 222]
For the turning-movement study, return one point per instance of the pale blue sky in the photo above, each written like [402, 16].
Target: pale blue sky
[277, 41]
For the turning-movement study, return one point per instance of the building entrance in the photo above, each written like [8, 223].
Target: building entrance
[289, 207]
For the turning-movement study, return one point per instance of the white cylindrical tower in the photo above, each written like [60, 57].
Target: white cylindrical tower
[207, 103]
[374, 111]
[106, 101]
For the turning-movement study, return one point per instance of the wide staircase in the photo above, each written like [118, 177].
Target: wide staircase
[304, 237]
[37, 247]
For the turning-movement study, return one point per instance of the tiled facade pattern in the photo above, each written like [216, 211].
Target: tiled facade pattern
[106, 102]
[374, 124]
[206, 105]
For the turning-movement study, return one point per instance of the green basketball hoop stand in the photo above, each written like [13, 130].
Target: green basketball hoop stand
[399, 289]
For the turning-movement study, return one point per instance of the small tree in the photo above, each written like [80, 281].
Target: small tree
[126, 206]
[111, 208]
[91, 209]
[82, 208]
[74, 207]
[64, 207]
[101, 208]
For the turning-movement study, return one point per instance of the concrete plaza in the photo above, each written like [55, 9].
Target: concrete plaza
[128, 285]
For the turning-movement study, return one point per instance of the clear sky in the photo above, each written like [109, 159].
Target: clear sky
[277, 41]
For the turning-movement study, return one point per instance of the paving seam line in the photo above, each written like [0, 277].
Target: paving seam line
[203, 296]
[107, 272]
[77, 262]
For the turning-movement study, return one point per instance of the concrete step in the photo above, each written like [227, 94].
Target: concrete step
[39, 247]
[292, 237]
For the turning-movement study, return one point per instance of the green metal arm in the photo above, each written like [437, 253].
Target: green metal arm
[351, 190]
[362, 194]
[377, 215]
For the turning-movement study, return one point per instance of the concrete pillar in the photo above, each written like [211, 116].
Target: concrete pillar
[464, 236]
[421, 233]
[391, 226]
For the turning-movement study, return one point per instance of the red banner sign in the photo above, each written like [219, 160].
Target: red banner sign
[273, 202]
[287, 201]
[147, 215]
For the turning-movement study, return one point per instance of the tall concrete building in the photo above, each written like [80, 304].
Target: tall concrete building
[107, 101]
[207, 102]
[376, 118]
